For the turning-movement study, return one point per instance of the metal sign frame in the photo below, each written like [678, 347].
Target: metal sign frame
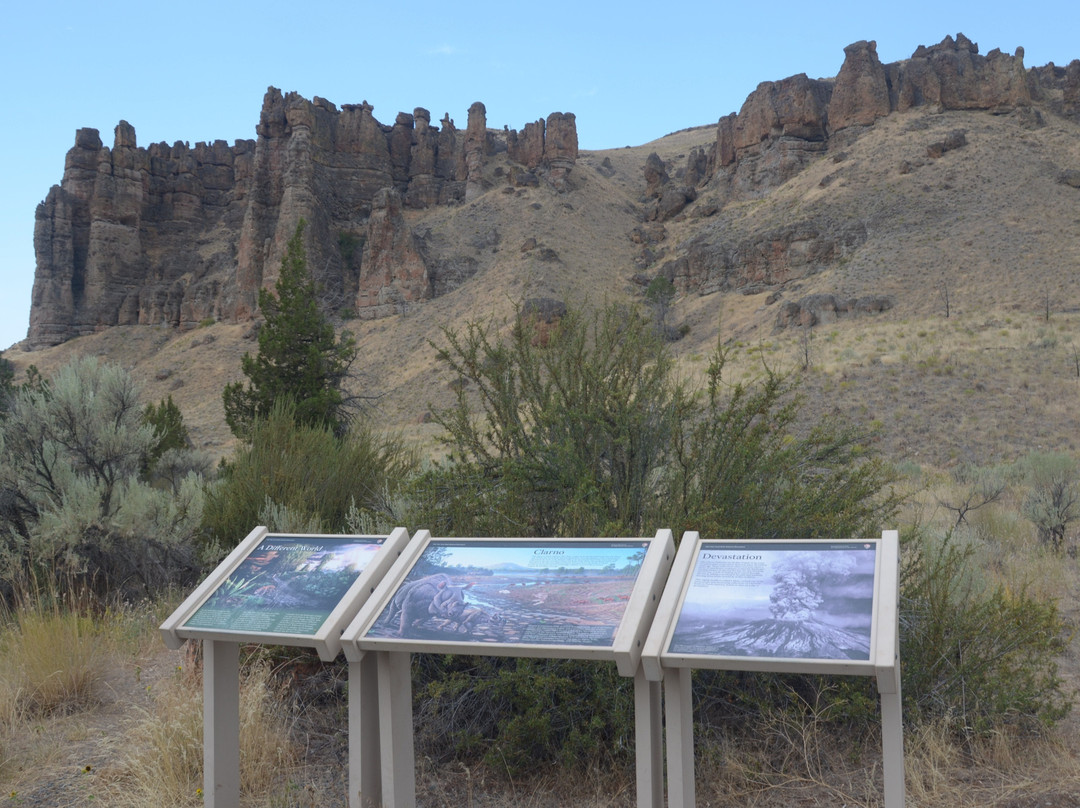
[661, 663]
[381, 756]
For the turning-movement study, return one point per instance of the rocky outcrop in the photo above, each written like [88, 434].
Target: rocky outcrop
[767, 259]
[953, 75]
[176, 235]
[782, 125]
[550, 147]
[1071, 89]
[825, 308]
[956, 139]
[785, 125]
[393, 272]
[126, 237]
[861, 94]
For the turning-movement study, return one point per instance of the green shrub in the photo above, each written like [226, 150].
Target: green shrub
[1053, 500]
[519, 714]
[75, 504]
[582, 429]
[170, 431]
[299, 356]
[972, 653]
[585, 430]
[294, 477]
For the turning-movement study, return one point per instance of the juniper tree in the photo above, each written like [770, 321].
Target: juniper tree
[167, 422]
[7, 387]
[299, 358]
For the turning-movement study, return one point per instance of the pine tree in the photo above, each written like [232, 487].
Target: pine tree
[170, 431]
[299, 358]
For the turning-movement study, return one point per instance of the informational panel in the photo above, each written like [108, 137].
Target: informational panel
[286, 589]
[554, 598]
[771, 605]
[568, 598]
[796, 600]
[281, 589]
[813, 606]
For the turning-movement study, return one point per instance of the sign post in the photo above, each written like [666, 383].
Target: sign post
[298, 590]
[221, 724]
[814, 606]
[551, 598]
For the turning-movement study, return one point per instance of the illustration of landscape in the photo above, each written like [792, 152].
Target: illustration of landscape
[808, 600]
[535, 593]
[287, 585]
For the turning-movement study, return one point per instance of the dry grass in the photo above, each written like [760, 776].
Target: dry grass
[139, 743]
[55, 659]
[162, 761]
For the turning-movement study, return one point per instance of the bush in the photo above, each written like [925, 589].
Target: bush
[170, 432]
[516, 715]
[582, 429]
[74, 502]
[974, 654]
[1053, 501]
[567, 432]
[304, 478]
[299, 356]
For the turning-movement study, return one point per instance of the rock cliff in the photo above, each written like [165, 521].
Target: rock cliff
[785, 125]
[176, 235]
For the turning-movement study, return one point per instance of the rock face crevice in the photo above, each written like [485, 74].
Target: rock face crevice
[176, 235]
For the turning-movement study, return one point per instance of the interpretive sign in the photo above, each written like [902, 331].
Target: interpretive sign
[555, 598]
[287, 585]
[273, 588]
[800, 600]
[808, 606]
[552, 594]
[283, 589]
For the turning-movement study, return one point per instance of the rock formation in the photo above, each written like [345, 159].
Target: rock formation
[784, 124]
[176, 235]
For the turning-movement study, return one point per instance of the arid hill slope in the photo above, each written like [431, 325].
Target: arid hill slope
[919, 268]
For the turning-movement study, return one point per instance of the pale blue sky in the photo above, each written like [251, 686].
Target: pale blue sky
[630, 71]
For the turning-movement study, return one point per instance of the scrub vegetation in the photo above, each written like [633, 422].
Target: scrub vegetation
[586, 427]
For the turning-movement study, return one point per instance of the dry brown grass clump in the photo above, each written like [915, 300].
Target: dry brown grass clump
[55, 657]
[161, 763]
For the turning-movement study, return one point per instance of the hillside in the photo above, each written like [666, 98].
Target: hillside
[911, 253]
[987, 234]
[905, 235]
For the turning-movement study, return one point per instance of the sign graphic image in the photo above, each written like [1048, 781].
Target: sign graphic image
[797, 600]
[536, 593]
[286, 585]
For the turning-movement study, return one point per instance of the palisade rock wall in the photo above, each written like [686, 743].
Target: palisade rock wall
[784, 125]
[175, 235]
